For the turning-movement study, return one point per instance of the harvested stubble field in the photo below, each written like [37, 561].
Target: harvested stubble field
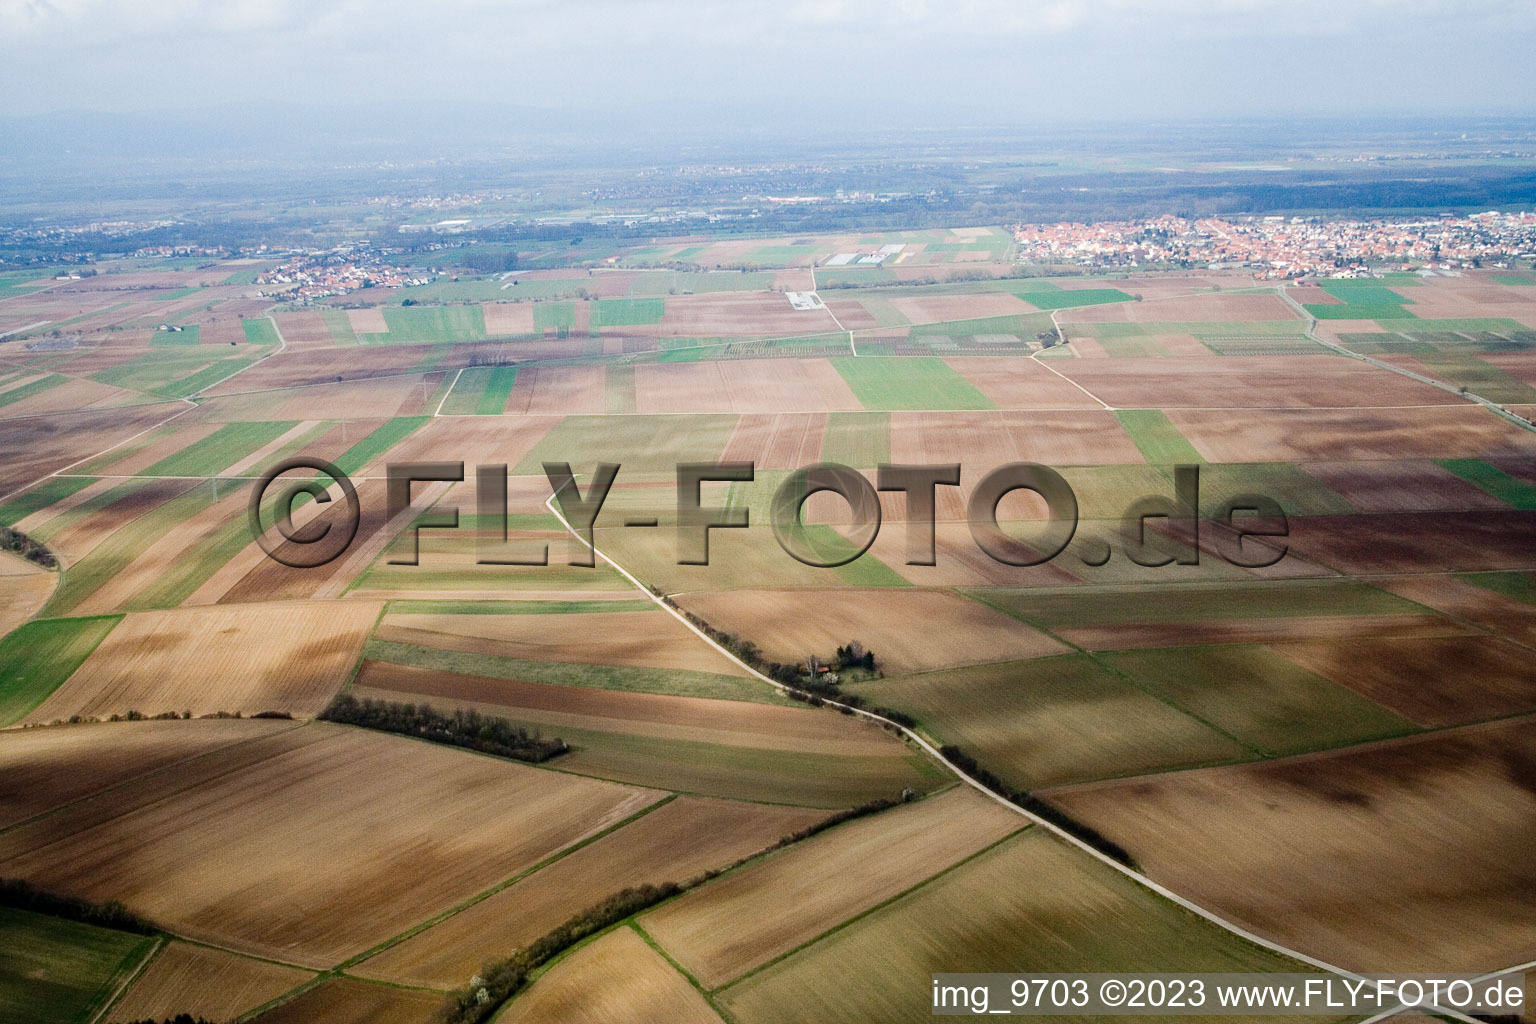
[204, 982]
[648, 639]
[1408, 485]
[24, 589]
[1030, 900]
[777, 440]
[290, 656]
[39, 445]
[1359, 435]
[907, 630]
[1214, 307]
[728, 748]
[987, 440]
[673, 843]
[742, 386]
[1260, 382]
[615, 980]
[1433, 681]
[1053, 720]
[1407, 855]
[314, 844]
[749, 917]
[350, 1001]
[1014, 383]
[41, 769]
[1407, 542]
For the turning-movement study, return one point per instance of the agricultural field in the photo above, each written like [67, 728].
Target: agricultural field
[52, 970]
[205, 982]
[1331, 751]
[1285, 848]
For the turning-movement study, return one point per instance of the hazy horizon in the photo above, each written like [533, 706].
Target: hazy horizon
[707, 64]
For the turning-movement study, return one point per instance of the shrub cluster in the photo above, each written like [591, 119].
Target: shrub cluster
[1051, 813]
[499, 981]
[180, 1018]
[461, 728]
[19, 543]
[25, 896]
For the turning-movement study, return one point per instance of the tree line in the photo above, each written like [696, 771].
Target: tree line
[462, 727]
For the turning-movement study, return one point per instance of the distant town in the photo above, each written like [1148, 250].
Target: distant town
[1285, 247]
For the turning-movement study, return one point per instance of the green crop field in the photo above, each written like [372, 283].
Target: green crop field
[36, 387]
[1517, 280]
[112, 555]
[417, 324]
[1518, 586]
[176, 293]
[22, 282]
[173, 372]
[37, 658]
[1256, 696]
[1360, 311]
[1028, 324]
[49, 492]
[1196, 602]
[625, 312]
[481, 390]
[921, 382]
[1298, 493]
[1064, 299]
[1481, 378]
[1029, 900]
[554, 315]
[179, 581]
[883, 311]
[1053, 720]
[1362, 293]
[340, 326]
[103, 499]
[219, 450]
[381, 440]
[1471, 324]
[260, 331]
[240, 277]
[189, 335]
[1509, 489]
[54, 971]
[858, 439]
[1160, 442]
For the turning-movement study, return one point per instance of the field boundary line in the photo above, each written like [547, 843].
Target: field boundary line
[1062, 339]
[482, 896]
[933, 752]
[160, 944]
[439, 410]
[849, 922]
[1466, 393]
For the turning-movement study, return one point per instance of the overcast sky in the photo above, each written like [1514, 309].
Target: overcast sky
[1018, 60]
